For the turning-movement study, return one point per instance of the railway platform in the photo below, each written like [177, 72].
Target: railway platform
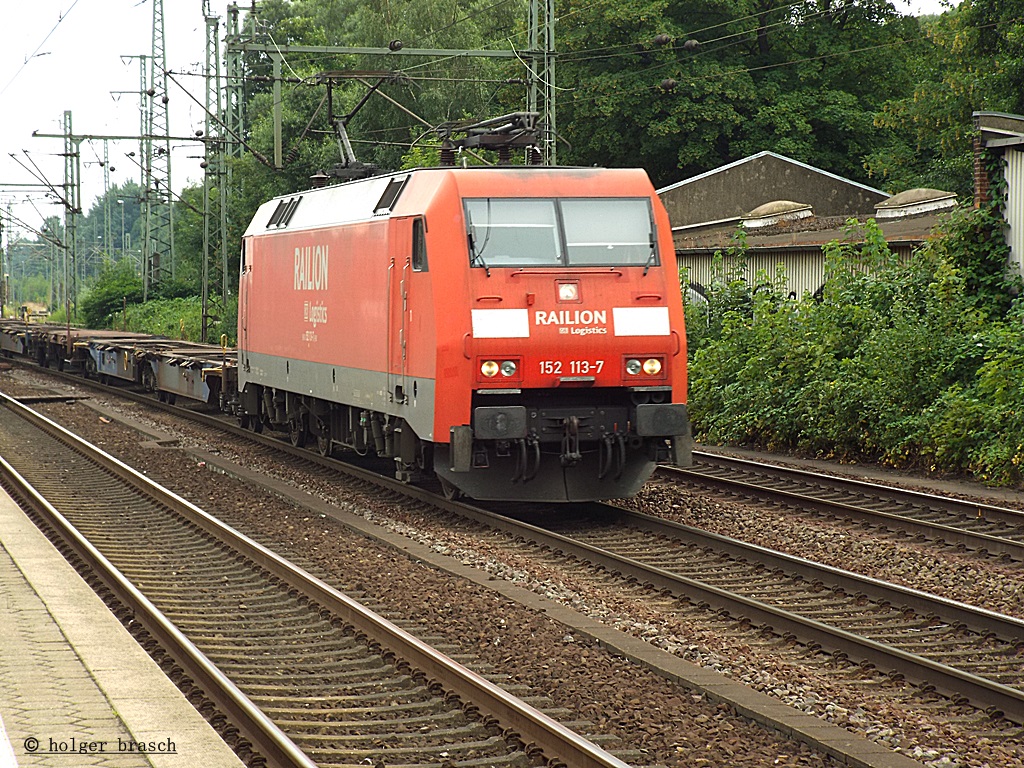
[75, 687]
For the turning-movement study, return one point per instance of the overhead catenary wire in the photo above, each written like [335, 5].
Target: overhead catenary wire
[429, 36]
[255, 153]
[35, 53]
[765, 67]
[741, 37]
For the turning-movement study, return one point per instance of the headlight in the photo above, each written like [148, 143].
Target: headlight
[633, 367]
[508, 368]
[489, 369]
[652, 366]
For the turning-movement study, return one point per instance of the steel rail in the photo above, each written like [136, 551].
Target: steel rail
[264, 736]
[278, 441]
[557, 742]
[948, 680]
[968, 509]
[1007, 628]
[980, 542]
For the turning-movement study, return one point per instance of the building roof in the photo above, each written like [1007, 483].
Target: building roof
[810, 234]
[758, 192]
[999, 128]
[736, 189]
[759, 156]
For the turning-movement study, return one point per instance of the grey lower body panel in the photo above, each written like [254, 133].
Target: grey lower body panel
[370, 390]
[182, 380]
[117, 363]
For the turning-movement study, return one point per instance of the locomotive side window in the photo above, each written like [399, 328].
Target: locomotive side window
[594, 232]
[609, 232]
[419, 246]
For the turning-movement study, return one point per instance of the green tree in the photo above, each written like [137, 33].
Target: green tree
[821, 70]
[681, 88]
[638, 94]
[117, 285]
[975, 63]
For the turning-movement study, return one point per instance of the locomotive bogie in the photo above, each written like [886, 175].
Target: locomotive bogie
[332, 424]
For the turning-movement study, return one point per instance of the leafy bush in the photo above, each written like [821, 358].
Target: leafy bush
[116, 286]
[917, 364]
[173, 318]
[979, 426]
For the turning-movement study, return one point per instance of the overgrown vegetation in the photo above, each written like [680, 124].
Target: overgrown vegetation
[115, 301]
[917, 364]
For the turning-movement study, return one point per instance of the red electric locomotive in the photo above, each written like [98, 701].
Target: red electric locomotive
[516, 330]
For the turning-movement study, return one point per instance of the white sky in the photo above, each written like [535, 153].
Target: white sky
[72, 55]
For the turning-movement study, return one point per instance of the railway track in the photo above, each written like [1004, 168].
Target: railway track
[983, 528]
[970, 656]
[967, 654]
[302, 674]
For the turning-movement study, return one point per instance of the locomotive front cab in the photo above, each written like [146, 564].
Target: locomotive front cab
[577, 348]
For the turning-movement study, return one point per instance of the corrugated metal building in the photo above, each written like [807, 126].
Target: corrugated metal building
[1005, 134]
[789, 211]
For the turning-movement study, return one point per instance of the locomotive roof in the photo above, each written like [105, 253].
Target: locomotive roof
[370, 198]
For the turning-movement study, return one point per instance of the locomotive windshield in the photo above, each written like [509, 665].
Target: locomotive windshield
[582, 232]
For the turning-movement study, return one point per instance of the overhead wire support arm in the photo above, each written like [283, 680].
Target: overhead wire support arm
[216, 118]
[119, 137]
[395, 48]
[37, 173]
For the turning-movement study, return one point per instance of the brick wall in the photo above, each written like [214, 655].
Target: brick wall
[981, 179]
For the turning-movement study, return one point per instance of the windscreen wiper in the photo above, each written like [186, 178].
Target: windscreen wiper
[650, 260]
[474, 257]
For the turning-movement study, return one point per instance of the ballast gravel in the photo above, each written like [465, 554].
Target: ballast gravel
[659, 721]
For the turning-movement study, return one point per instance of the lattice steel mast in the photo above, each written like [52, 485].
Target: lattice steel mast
[216, 181]
[72, 210]
[156, 160]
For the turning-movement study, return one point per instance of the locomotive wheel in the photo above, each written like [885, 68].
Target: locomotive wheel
[297, 432]
[244, 421]
[450, 491]
[324, 443]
